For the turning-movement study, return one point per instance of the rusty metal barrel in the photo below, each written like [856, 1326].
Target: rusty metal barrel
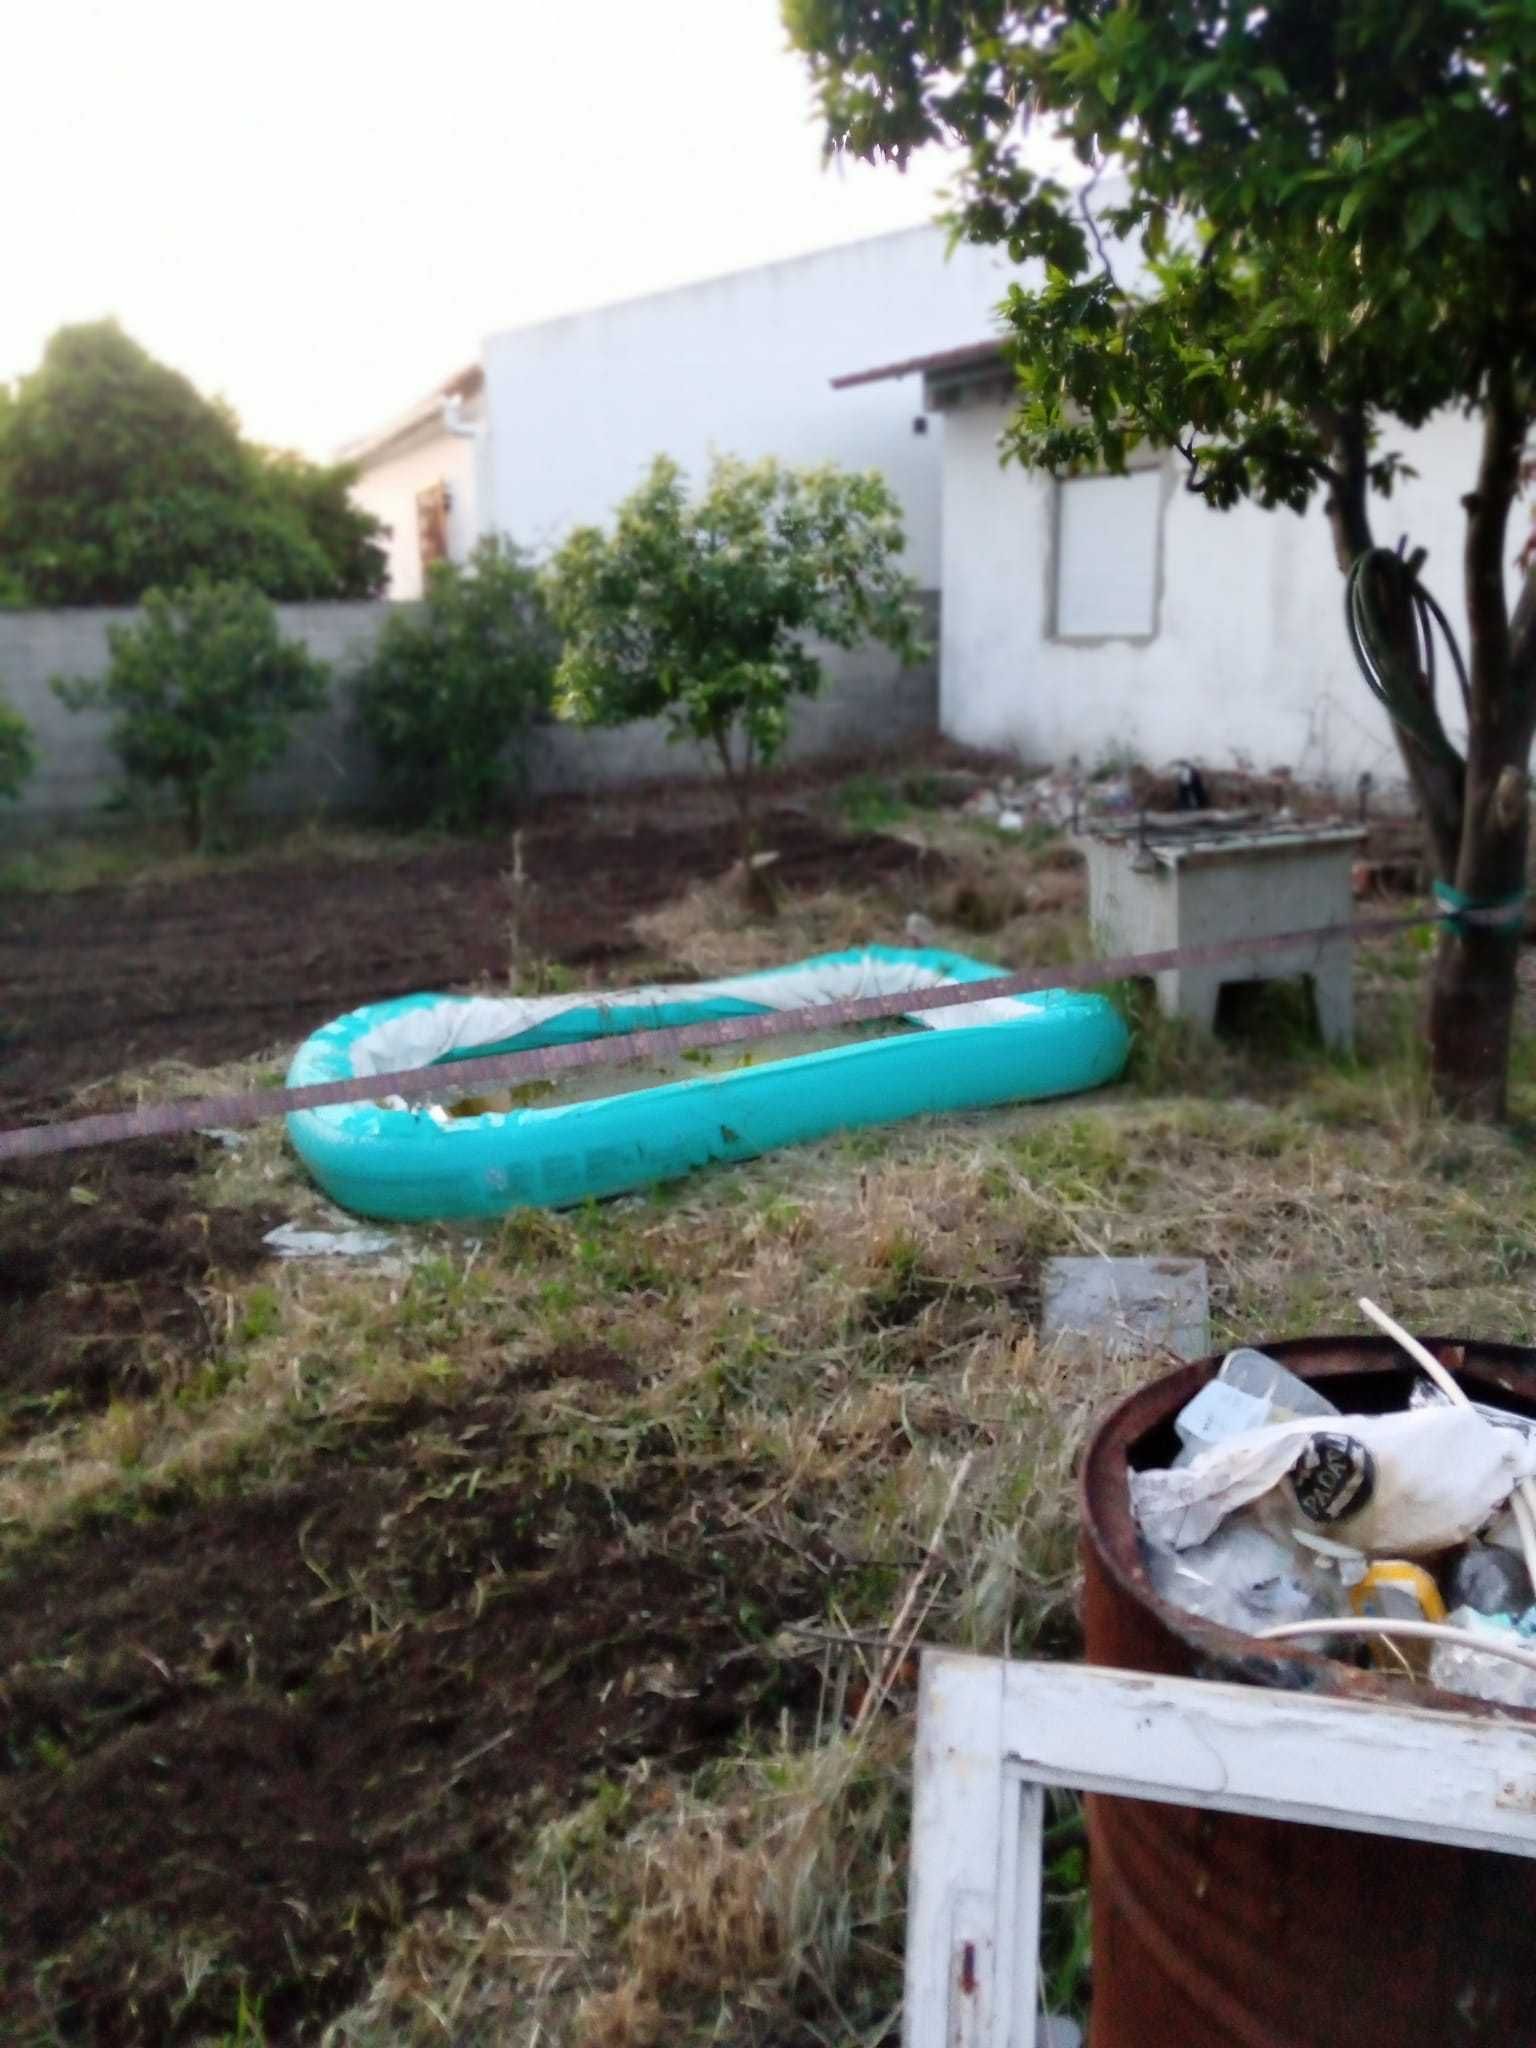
[1220, 1931]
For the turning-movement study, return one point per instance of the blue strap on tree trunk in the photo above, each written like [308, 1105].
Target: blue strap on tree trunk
[1501, 915]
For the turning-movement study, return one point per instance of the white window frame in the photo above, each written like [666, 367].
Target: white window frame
[992, 1735]
[1148, 464]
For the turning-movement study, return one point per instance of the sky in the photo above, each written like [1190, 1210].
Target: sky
[318, 208]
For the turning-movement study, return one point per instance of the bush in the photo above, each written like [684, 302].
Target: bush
[448, 694]
[18, 756]
[697, 610]
[205, 689]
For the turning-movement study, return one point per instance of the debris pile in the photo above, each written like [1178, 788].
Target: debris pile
[1407, 1539]
[1068, 799]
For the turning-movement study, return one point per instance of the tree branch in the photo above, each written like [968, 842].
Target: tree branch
[1498, 479]
[1093, 228]
[1522, 641]
[1349, 513]
[1191, 455]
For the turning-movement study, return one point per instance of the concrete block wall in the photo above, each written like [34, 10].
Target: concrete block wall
[869, 701]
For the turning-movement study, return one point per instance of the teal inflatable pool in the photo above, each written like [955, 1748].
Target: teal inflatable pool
[411, 1164]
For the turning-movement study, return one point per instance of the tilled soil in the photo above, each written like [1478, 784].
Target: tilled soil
[245, 1735]
[242, 1741]
[105, 1258]
[105, 980]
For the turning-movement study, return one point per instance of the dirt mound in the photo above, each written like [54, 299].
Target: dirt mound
[244, 1740]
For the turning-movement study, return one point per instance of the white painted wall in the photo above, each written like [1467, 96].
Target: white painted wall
[389, 486]
[740, 364]
[1249, 660]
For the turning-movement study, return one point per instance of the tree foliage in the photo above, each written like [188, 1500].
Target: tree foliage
[204, 689]
[450, 689]
[117, 477]
[697, 610]
[1321, 228]
[18, 756]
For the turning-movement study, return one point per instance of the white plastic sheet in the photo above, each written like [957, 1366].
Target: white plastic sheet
[417, 1038]
[1440, 1475]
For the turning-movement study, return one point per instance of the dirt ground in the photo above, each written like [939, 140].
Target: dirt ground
[273, 1725]
[105, 980]
[245, 1737]
[272, 1729]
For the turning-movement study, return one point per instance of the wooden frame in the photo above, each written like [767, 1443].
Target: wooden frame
[991, 1736]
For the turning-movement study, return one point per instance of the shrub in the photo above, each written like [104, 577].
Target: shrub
[205, 689]
[448, 694]
[18, 756]
[697, 610]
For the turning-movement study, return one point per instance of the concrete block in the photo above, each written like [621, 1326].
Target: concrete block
[1128, 1306]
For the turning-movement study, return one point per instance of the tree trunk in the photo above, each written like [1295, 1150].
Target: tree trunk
[1475, 822]
[758, 892]
[192, 813]
[1472, 993]
[1473, 986]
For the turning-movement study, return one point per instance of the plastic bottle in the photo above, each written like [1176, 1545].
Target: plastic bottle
[1256, 1373]
[1245, 1577]
[1250, 1390]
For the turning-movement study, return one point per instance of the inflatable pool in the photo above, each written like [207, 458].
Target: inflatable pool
[415, 1163]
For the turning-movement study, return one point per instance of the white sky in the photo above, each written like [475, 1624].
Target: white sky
[319, 207]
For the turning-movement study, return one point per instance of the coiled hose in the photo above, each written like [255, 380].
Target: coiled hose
[1380, 578]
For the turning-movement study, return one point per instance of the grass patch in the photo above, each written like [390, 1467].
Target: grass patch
[807, 1396]
[156, 854]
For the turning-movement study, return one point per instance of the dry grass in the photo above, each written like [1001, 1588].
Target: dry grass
[844, 1329]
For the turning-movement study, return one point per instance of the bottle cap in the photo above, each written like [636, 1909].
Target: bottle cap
[1333, 1477]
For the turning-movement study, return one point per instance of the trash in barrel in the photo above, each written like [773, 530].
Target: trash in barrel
[1383, 1521]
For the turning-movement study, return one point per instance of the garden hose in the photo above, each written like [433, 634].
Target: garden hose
[1406, 692]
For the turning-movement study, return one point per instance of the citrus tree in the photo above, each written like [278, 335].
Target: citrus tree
[1326, 232]
[204, 690]
[697, 609]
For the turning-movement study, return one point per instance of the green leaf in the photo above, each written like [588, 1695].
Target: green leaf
[1423, 217]
[1354, 199]
[1463, 211]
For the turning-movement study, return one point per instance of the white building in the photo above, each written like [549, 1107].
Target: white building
[572, 411]
[421, 475]
[1096, 616]
[1119, 618]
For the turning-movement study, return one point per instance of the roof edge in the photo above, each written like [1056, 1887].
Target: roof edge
[466, 383]
[976, 355]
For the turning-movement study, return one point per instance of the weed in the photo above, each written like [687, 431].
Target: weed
[869, 803]
[260, 1315]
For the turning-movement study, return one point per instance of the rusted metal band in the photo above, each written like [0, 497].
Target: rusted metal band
[423, 1084]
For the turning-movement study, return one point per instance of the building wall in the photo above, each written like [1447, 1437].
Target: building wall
[1249, 659]
[389, 486]
[869, 703]
[741, 365]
